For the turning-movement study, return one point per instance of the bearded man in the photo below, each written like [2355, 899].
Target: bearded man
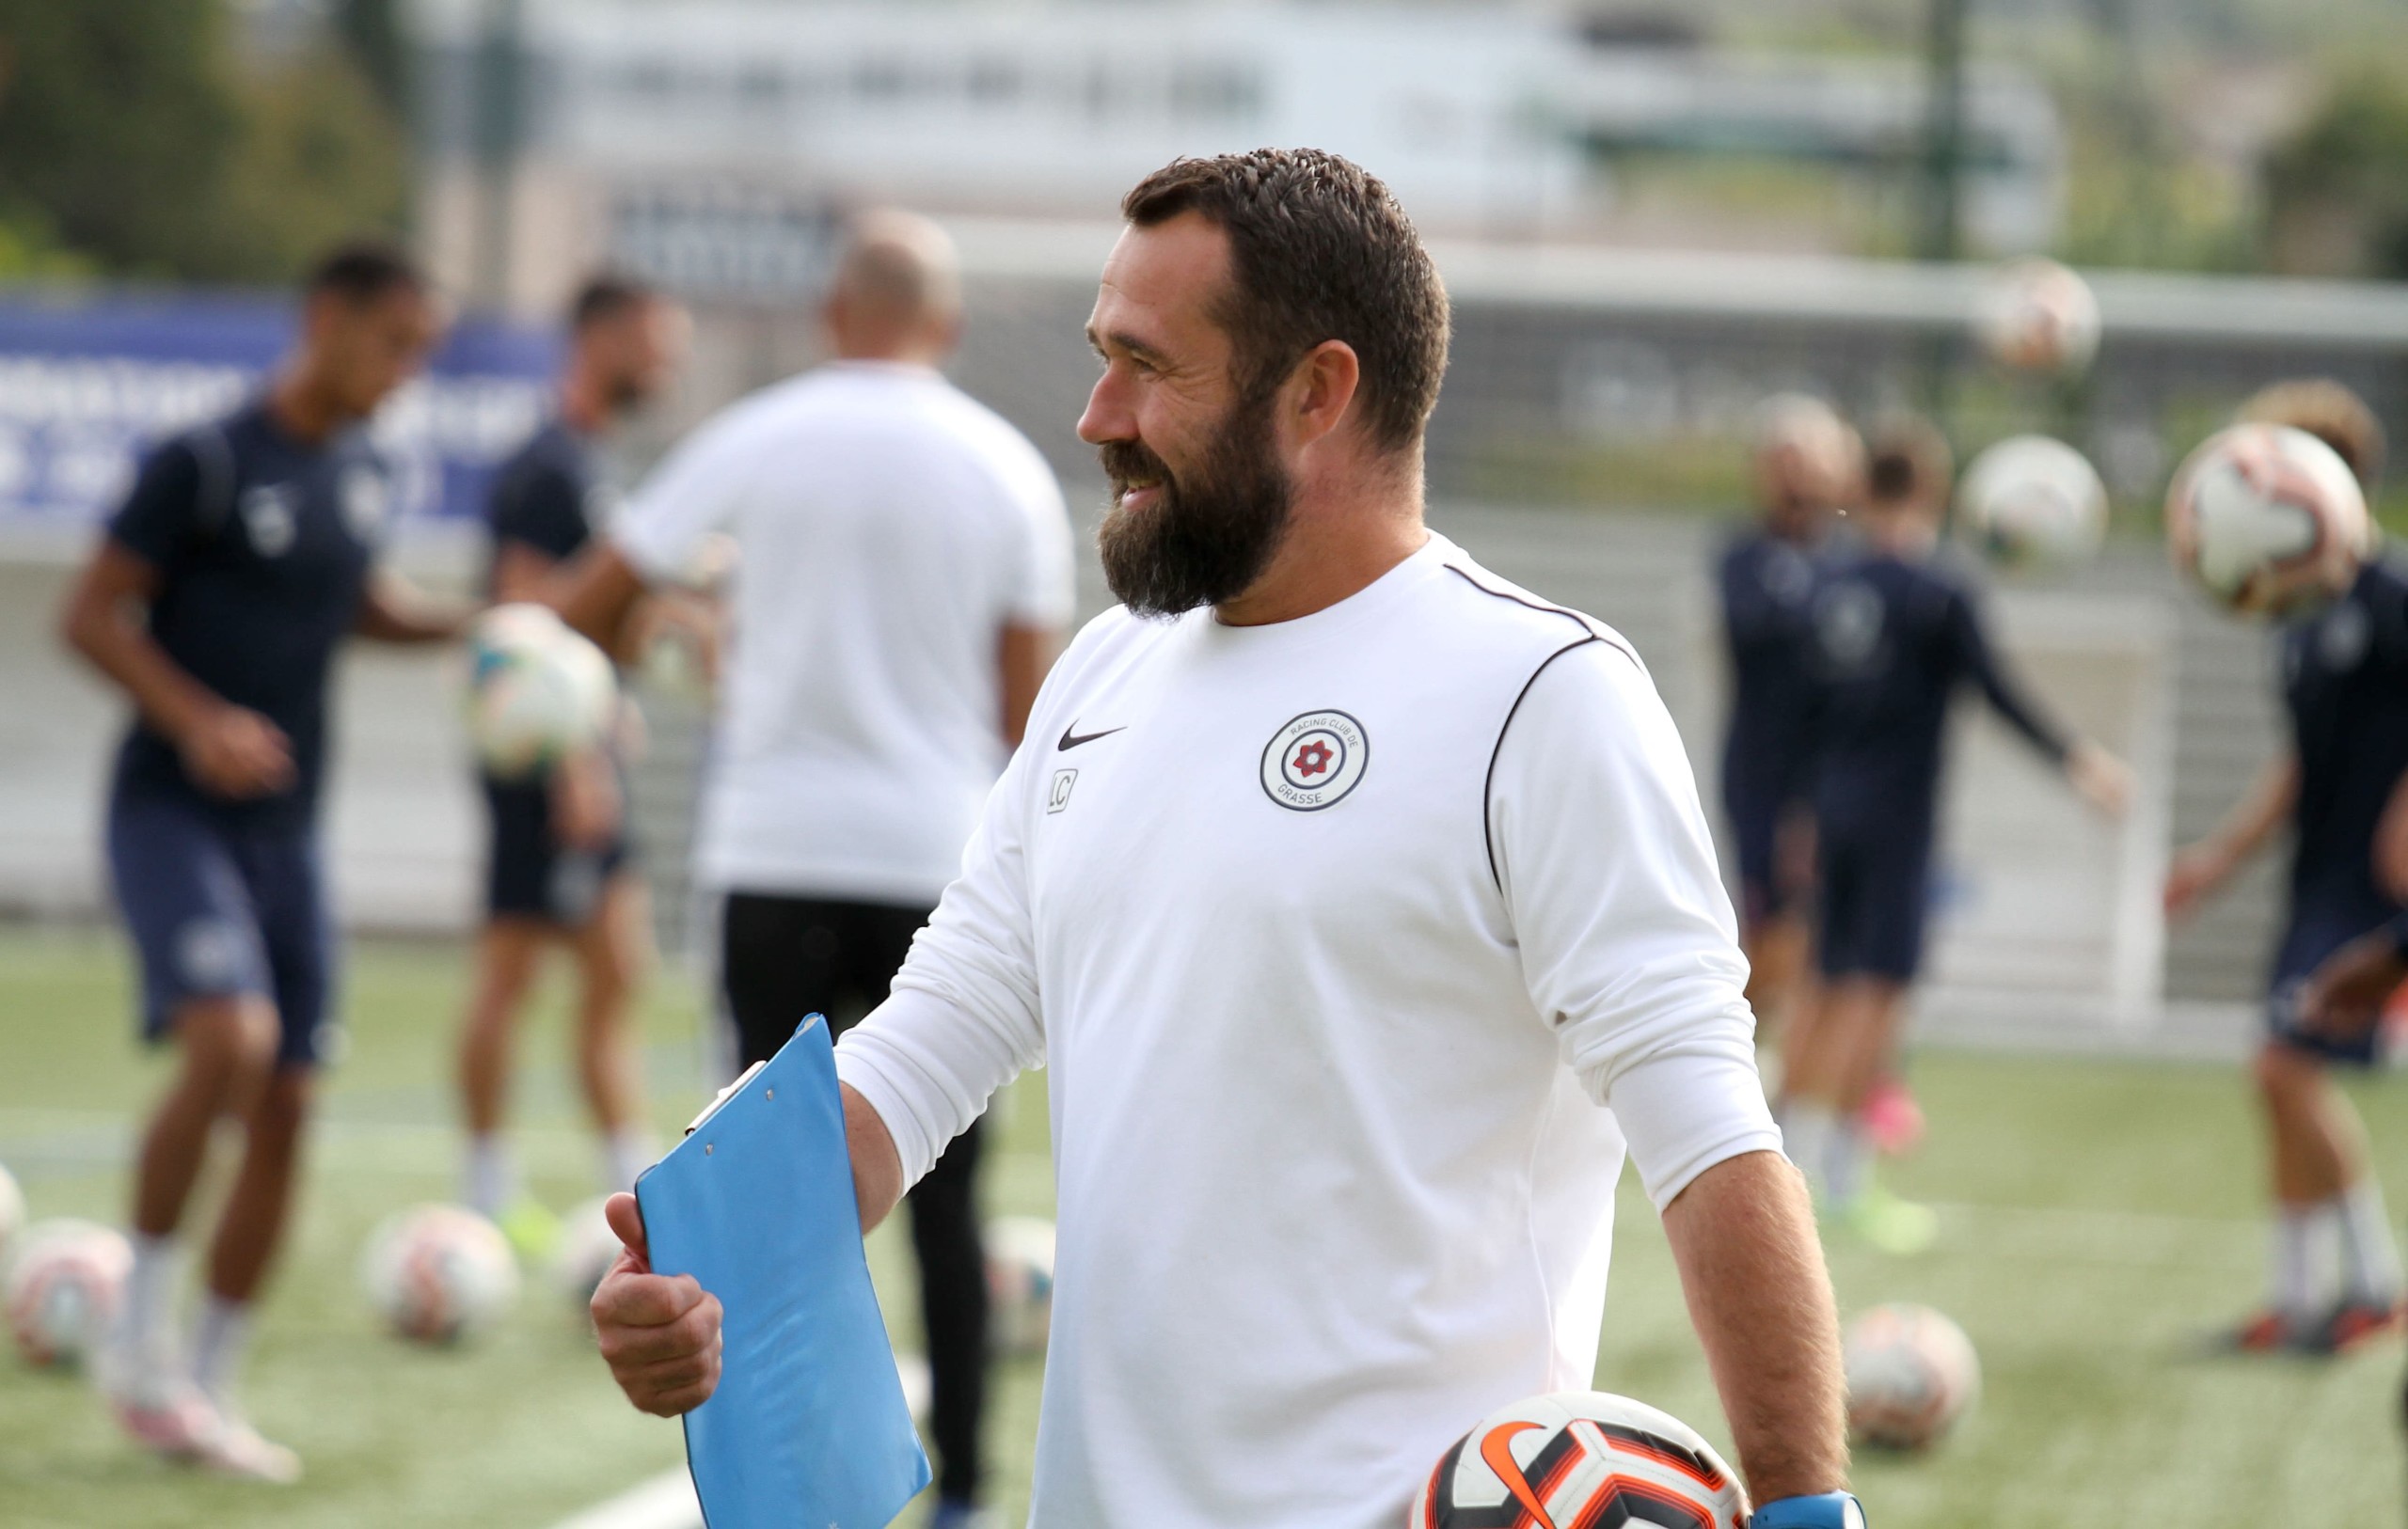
[1363, 909]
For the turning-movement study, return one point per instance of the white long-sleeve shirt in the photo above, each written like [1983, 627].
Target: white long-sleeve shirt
[1356, 946]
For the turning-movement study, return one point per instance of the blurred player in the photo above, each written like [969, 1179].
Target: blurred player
[556, 867]
[1896, 633]
[906, 576]
[1359, 906]
[244, 556]
[2345, 685]
[1804, 466]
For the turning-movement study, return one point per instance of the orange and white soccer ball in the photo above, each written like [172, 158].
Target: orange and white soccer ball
[1911, 1376]
[2031, 499]
[2036, 315]
[65, 1288]
[1581, 1458]
[2267, 520]
[1020, 1283]
[537, 689]
[438, 1273]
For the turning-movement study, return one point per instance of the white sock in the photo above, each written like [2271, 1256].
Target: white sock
[626, 1153]
[2370, 1254]
[1806, 1131]
[493, 1177]
[1847, 1162]
[146, 1333]
[2300, 1276]
[219, 1340]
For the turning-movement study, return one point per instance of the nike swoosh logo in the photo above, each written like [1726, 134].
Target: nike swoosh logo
[1071, 738]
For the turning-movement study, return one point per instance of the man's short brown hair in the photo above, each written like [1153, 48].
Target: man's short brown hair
[1318, 250]
[2332, 414]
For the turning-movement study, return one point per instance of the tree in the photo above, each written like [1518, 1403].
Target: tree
[133, 138]
[2337, 191]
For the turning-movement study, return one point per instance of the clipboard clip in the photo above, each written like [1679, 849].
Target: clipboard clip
[724, 1094]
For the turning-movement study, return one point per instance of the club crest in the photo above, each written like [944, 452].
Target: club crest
[1314, 760]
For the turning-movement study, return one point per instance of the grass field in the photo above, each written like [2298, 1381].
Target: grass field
[2098, 1214]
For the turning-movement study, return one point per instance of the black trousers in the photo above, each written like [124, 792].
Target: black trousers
[783, 957]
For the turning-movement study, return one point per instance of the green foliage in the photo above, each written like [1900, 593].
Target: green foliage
[2337, 193]
[131, 131]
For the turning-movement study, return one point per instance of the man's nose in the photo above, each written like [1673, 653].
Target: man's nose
[1108, 415]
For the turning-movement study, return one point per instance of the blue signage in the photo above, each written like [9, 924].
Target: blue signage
[88, 385]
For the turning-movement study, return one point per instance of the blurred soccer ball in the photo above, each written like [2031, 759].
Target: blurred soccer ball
[586, 1250]
[2036, 315]
[1020, 1283]
[2030, 499]
[1581, 1458]
[919, 1385]
[2267, 519]
[65, 1288]
[537, 690]
[1911, 1375]
[438, 1273]
[13, 1216]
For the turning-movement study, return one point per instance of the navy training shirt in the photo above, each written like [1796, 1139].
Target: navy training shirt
[1767, 583]
[2345, 681]
[545, 496]
[263, 546]
[1892, 640]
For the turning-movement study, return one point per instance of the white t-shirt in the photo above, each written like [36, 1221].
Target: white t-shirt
[1335, 935]
[890, 527]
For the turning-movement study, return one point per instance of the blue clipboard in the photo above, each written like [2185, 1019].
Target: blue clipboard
[808, 1428]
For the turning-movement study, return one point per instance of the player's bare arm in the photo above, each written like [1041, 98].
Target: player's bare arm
[2200, 870]
[1023, 653]
[1761, 1301]
[661, 1335]
[393, 609]
[595, 592]
[231, 750]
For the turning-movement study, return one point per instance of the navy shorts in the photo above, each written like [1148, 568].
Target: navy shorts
[1873, 889]
[1758, 811]
[220, 905]
[528, 873]
[2312, 935]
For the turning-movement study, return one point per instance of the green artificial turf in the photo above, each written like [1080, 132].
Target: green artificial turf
[2098, 1216]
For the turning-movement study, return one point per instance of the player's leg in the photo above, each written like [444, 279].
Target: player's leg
[509, 952]
[519, 925]
[1773, 931]
[205, 991]
[946, 1236]
[613, 951]
[778, 962]
[2326, 1199]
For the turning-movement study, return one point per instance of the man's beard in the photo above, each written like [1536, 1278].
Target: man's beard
[1208, 536]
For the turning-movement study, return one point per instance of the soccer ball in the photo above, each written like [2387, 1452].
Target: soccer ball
[65, 1290]
[586, 1250]
[12, 1215]
[919, 1385]
[537, 690]
[1911, 1374]
[1020, 1283]
[2031, 499]
[2267, 519]
[438, 1273]
[2035, 315]
[1581, 1458]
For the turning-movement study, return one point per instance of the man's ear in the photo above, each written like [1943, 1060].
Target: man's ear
[1323, 388]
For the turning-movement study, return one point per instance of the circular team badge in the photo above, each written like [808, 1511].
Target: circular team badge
[1314, 760]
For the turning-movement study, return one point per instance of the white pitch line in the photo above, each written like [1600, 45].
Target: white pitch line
[665, 1501]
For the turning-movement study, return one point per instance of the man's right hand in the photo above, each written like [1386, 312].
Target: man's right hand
[2197, 869]
[236, 752]
[661, 1335]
